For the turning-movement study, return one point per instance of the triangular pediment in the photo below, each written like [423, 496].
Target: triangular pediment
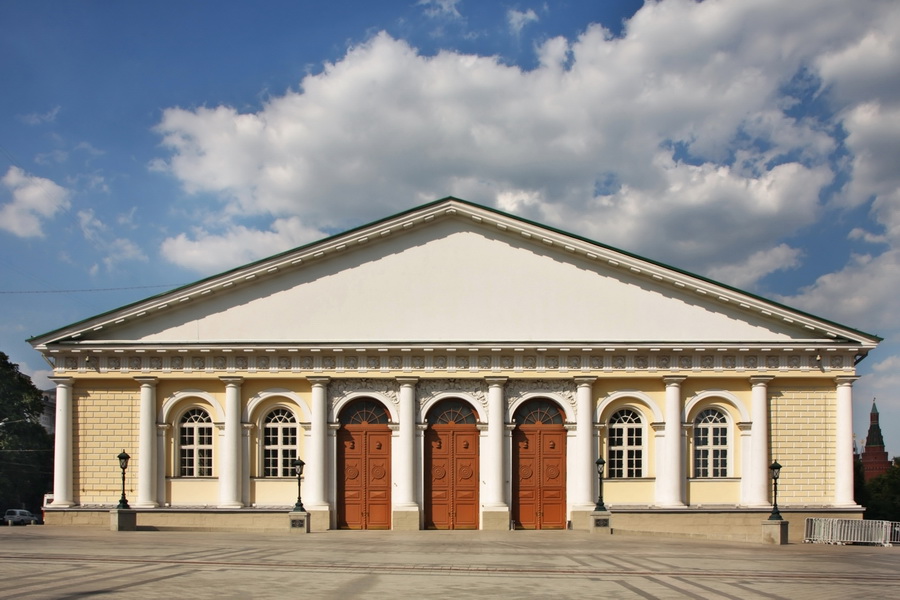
[454, 273]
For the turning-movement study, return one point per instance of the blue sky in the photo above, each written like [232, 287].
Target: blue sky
[147, 145]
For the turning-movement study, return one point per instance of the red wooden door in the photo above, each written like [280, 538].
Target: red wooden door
[451, 482]
[364, 469]
[539, 472]
[451, 467]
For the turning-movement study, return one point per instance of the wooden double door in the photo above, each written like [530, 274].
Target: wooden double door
[539, 476]
[364, 477]
[451, 467]
[451, 477]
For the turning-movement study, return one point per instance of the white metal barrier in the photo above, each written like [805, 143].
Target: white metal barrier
[851, 531]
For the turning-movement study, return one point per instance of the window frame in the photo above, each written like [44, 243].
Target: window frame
[705, 467]
[196, 458]
[620, 467]
[284, 453]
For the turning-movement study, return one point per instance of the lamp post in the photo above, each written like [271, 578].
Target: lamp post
[600, 506]
[775, 470]
[123, 464]
[298, 468]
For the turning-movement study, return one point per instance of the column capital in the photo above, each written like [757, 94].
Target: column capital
[846, 379]
[492, 381]
[147, 380]
[318, 380]
[761, 379]
[406, 380]
[674, 379]
[585, 380]
[231, 380]
[63, 381]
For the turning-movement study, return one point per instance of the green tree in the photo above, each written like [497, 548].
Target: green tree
[883, 496]
[26, 449]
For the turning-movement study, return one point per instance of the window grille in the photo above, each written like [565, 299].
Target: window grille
[626, 445]
[710, 444]
[544, 412]
[196, 444]
[450, 412]
[365, 412]
[279, 443]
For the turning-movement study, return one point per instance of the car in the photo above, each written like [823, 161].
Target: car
[17, 516]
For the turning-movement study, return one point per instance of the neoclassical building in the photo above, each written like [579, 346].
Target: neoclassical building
[455, 367]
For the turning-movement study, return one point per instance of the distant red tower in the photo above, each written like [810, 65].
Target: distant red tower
[874, 456]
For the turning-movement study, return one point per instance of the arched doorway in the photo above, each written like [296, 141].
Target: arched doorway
[364, 467]
[451, 467]
[539, 466]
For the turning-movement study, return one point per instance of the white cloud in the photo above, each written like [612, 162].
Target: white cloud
[116, 250]
[208, 252]
[675, 140]
[34, 200]
[39, 118]
[518, 19]
[441, 8]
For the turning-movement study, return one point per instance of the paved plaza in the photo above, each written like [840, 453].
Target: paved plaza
[44, 562]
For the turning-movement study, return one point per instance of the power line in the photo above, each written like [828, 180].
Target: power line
[114, 289]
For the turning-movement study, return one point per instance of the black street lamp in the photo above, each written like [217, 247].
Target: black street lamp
[298, 468]
[600, 506]
[775, 470]
[123, 464]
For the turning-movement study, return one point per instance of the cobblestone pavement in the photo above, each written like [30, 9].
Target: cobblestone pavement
[45, 562]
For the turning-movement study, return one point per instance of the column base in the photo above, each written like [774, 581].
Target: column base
[231, 505]
[320, 519]
[495, 519]
[406, 519]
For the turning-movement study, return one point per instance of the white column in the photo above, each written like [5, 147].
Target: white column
[315, 471]
[62, 472]
[670, 477]
[230, 469]
[147, 465]
[161, 492]
[758, 477]
[405, 466]
[494, 496]
[843, 460]
[585, 472]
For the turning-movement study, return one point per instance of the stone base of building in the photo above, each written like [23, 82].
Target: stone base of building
[729, 524]
[581, 519]
[319, 519]
[495, 519]
[406, 520]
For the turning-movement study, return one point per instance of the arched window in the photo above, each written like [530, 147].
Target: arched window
[365, 412]
[626, 445]
[195, 442]
[279, 443]
[535, 412]
[710, 444]
[452, 412]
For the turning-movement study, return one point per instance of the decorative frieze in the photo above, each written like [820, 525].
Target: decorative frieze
[563, 362]
[429, 388]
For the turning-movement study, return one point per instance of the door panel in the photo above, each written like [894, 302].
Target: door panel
[451, 484]
[539, 485]
[364, 484]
